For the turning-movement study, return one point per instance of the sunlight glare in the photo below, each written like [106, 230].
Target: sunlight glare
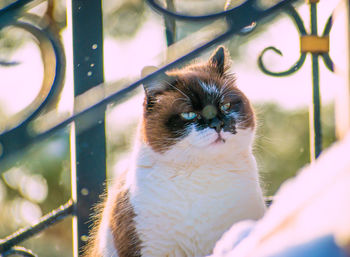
[21, 83]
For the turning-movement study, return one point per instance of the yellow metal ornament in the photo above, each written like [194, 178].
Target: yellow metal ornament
[314, 44]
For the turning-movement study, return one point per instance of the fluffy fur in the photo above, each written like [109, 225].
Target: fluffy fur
[193, 173]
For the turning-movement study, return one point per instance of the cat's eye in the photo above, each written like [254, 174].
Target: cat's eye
[188, 115]
[225, 107]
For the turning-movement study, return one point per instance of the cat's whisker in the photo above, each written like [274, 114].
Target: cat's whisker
[184, 101]
[172, 86]
[230, 94]
[225, 87]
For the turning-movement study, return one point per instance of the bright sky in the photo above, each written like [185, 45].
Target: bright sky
[122, 59]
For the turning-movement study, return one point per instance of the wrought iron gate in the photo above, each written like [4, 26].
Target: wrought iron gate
[88, 142]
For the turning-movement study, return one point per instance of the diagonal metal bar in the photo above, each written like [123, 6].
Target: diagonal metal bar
[49, 219]
[17, 250]
[12, 12]
[184, 17]
[119, 95]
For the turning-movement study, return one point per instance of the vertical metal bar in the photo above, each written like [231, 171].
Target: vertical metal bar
[89, 157]
[170, 24]
[315, 113]
[315, 110]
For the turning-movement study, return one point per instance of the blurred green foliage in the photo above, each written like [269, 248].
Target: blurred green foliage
[282, 141]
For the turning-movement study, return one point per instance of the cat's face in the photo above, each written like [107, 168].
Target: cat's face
[198, 106]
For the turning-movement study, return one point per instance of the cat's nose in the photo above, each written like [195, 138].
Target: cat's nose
[216, 124]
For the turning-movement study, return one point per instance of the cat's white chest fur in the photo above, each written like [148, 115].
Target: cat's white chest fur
[182, 210]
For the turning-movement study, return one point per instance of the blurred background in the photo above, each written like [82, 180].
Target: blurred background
[133, 38]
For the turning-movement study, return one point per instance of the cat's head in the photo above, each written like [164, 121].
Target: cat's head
[198, 107]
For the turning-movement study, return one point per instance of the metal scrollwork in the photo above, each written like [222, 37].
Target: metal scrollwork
[291, 70]
[230, 15]
[317, 46]
[184, 17]
[290, 10]
[17, 250]
[325, 56]
[16, 134]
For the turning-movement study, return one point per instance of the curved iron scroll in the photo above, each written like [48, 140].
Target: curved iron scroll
[325, 56]
[19, 251]
[291, 70]
[54, 68]
[233, 16]
[316, 46]
[290, 10]
[16, 133]
[247, 4]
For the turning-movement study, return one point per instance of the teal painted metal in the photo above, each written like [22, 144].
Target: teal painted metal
[170, 24]
[315, 112]
[302, 31]
[315, 120]
[89, 158]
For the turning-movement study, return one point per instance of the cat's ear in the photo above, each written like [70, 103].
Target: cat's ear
[220, 60]
[158, 85]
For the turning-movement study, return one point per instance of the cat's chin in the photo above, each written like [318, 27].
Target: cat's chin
[209, 138]
[219, 141]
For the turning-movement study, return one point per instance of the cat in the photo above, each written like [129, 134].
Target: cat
[192, 174]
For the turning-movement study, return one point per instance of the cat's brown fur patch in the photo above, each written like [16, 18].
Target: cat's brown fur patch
[121, 221]
[91, 249]
[126, 240]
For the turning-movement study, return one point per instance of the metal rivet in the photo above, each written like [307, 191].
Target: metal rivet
[84, 238]
[89, 73]
[84, 191]
[94, 46]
